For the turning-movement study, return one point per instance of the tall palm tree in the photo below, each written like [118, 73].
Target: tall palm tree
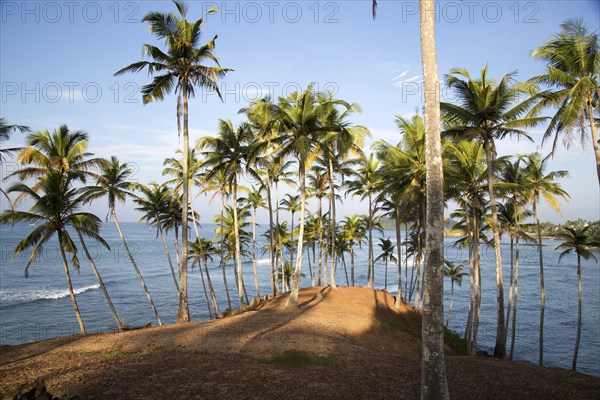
[154, 204]
[181, 70]
[572, 59]
[255, 200]
[579, 242]
[456, 274]
[300, 122]
[227, 152]
[5, 131]
[55, 209]
[113, 182]
[387, 255]
[488, 110]
[540, 184]
[291, 204]
[365, 182]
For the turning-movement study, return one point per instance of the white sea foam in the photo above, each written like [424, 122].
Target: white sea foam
[263, 261]
[14, 296]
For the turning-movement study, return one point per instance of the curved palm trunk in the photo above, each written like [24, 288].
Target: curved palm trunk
[469, 325]
[579, 292]
[120, 325]
[203, 256]
[213, 296]
[293, 299]
[135, 267]
[399, 250]
[204, 289]
[594, 138]
[500, 348]
[238, 253]
[370, 256]
[164, 241]
[274, 288]
[511, 287]
[320, 274]
[222, 251]
[254, 253]
[516, 298]
[332, 224]
[433, 369]
[183, 310]
[310, 267]
[451, 302]
[542, 286]
[70, 285]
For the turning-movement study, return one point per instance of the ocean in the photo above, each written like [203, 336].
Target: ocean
[39, 307]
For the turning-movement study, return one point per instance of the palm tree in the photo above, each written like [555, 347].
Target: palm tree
[300, 122]
[488, 110]
[354, 233]
[456, 274]
[154, 204]
[5, 131]
[291, 204]
[542, 184]
[387, 254]
[180, 69]
[201, 251]
[365, 182]
[227, 152]
[572, 73]
[255, 200]
[580, 242]
[55, 209]
[113, 182]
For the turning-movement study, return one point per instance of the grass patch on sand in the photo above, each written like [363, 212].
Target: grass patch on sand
[399, 326]
[297, 358]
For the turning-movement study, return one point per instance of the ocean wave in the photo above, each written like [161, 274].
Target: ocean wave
[13, 296]
[263, 261]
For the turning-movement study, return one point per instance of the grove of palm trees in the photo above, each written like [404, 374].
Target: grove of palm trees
[286, 283]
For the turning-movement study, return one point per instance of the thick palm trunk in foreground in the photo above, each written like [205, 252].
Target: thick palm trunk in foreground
[183, 309]
[433, 369]
[135, 267]
[100, 282]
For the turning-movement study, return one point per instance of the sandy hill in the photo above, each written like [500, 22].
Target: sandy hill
[349, 342]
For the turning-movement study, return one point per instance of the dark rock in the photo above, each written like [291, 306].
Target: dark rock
[37, 391]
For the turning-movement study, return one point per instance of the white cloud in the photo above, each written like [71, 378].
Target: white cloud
[402, 74]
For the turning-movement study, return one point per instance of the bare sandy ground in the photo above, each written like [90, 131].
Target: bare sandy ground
[338, 344]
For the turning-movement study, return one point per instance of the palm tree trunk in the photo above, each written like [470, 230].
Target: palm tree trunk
[279, 241]
[477, 273]
[183, 309]
[292, 242]
[352, 265]
[542, 286]
[274, 288]
[332, 223]
[320, 274]
[120, 325]
[222, 251]
[451, 302]
[406, 265]
[293, 299]
[213, 296]
[238, 253]
[370, 266]
[579, 292]
[164, 241]
[70, 284]
[510, 290]
[469, 325]
[135, 267]
[254, 253]
[433, 369]
[500, 348]
[204, 289]
[399, 250]
[177, 259]
[345, 269]
[516, 297]
[310, 267]
[386, 273]
[594, 138]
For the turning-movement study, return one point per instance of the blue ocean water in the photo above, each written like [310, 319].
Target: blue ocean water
[39, 307]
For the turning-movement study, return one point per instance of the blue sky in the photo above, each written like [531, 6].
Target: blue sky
[57, 60]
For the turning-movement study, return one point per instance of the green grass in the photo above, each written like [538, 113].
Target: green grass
[401, 327]
[455, 342]
[295, 358]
